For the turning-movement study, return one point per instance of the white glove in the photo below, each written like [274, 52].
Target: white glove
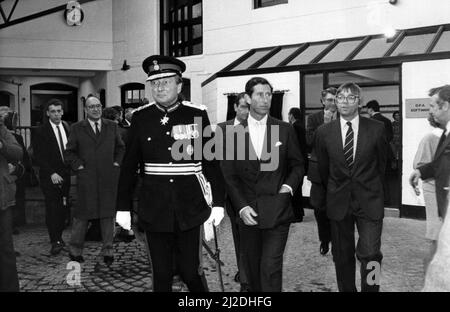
[217, 214]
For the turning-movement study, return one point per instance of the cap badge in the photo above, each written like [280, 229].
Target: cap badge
[155, 65]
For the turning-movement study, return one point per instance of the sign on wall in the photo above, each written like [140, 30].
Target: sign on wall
[417, 108]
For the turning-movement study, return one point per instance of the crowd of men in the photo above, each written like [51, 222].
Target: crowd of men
[256, 174]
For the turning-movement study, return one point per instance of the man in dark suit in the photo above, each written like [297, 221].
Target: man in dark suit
[439, 168]
[351, 155]
[175, 199]
[94, 151]
[317, 193]
[241, 108]
[373, 109]
[296, 120]
[261, 185]
[49, 143]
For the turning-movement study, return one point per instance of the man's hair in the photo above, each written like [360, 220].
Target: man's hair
[118, 108]
[90, 96]
[239, 97]
[110, 113]
[296, 113]
[396, 112]
[443, 93]
[54, 102]
[353, 87]
[256, 81]
[330, 90]
[373, 105]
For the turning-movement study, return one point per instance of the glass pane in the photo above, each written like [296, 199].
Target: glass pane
[413, 45]
[266, 3]
[141, 94]
[340, 51]
[198, 49]
[365, 76]
[197, 10]
[443, 43]
[186, 12]
[186, 35]
[375, 48]
[179, 14]
[180, 35]
[306, 56]
[197, 31]
[279, 57]
[252, 59]
[172, 15]
[186, 51]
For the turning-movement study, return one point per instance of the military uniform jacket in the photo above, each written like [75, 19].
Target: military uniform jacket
[170, 190]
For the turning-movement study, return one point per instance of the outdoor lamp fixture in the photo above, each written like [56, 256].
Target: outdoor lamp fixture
[393, 2]
[125, 66]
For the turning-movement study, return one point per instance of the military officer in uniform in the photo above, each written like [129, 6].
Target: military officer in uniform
[177, 194]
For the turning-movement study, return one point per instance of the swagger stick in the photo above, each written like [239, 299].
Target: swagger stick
[217, 254]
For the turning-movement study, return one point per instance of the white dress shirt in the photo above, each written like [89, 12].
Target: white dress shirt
[236, 122]
[92, 123]
[355, 127]
[63, 135]
[447, 129]
[257, 131]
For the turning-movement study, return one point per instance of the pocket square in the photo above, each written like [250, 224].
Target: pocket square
[278, 144]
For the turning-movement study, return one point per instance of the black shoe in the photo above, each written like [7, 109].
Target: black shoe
[79, 259]
[245, 288]
[17, 253]
[15, 231]
[324, 248]
[108, 260]
[57, 247]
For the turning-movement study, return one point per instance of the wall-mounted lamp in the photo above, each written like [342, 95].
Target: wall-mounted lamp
[125, 66]
[393, 2]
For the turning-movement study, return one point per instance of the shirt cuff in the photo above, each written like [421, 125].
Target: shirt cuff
[290, 189]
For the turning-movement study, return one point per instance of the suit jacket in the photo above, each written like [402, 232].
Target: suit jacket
[250, 183]
[364, 183]
[439, 169]
[46, 153]
[97, 182]
[387, 125]
[10, 152]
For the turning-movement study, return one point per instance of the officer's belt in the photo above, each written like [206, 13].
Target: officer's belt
[172, 169]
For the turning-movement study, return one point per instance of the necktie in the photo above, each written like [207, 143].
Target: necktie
[348, 146]
[61, 142]
[441, 140]
[97, 130]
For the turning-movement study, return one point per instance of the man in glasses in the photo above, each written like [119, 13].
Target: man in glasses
[351, 154]
[94, 150]
[317, 197]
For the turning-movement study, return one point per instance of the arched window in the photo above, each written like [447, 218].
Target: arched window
[132, 94]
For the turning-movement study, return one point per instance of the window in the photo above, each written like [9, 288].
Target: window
[266, 3]
[181, 27]
[132, 95]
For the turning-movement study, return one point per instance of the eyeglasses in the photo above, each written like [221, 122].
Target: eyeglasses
[161, 83]
[92, 107]
[351, 99]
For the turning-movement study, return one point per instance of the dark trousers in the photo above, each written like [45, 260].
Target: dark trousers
[9, 280]
[163, 247]
[236, 240]
[262, 256]
[317, 202]
[19, 208]
[55, 211]
[368, 251]
[78, 235]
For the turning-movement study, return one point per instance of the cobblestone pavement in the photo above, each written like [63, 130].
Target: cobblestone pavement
[304, 268]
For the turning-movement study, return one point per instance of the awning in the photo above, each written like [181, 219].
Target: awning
[424, 43]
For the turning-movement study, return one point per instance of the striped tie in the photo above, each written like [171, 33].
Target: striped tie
[348, 146]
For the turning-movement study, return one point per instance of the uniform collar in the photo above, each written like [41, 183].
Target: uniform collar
[169, 109]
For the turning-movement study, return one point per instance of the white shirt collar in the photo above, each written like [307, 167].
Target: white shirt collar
[354, 121]
[92, 123]
[54, 125]
[447, 131]
[252, 121]
[236, 122]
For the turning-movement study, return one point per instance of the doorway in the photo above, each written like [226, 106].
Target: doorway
[381, 84]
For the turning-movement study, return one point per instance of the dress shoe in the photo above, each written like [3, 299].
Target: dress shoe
[108, 260]
[57, 247]
[18, 254]
[79, 259]
[324, 248]
[237, 277]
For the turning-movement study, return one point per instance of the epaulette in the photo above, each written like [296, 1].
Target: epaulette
[142, 107]
[201, 106]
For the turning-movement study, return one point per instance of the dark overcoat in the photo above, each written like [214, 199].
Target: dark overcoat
[97, 182]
